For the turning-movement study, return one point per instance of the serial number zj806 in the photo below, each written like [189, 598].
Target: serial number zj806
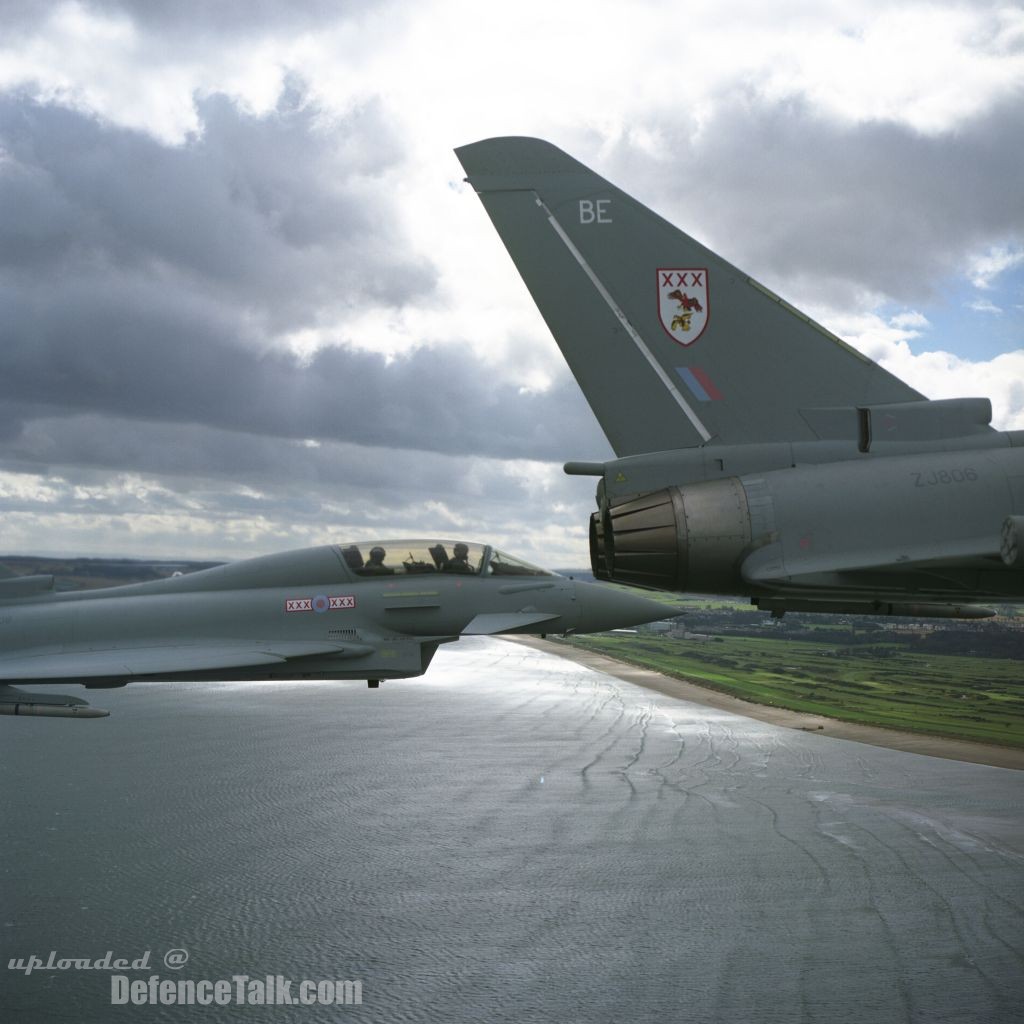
[964, 475]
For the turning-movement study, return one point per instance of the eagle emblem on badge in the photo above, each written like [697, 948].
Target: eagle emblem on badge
[683, 302]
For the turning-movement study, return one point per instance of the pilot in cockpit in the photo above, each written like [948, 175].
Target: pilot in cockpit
[459, 562]
[375, 564]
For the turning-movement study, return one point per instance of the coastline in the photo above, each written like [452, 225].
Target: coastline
[914, 743]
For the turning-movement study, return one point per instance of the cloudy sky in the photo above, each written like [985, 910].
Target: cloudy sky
[247, 303]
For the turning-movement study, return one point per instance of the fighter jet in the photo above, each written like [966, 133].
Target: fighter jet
[367, 610]
[758, 454]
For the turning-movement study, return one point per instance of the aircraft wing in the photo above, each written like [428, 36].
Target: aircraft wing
[505, 622]
[132, 662]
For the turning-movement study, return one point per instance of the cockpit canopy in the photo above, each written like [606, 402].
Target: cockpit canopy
[412, 557]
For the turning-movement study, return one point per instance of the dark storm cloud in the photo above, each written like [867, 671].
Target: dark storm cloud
[296, 475]
[16, 15]
[237, 17]
[783, 191]
[197, 18]
[238, 490]
[276, 213]
[150, 282]
[149, 360]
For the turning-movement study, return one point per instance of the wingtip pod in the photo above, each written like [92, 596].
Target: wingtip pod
[52, 711]
[30, 704]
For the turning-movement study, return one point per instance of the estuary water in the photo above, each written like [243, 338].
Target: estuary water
[513, 837]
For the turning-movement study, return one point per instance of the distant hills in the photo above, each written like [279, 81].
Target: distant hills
[89, 573]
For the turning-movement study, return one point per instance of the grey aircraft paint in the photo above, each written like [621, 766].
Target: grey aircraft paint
[758, 454]
[333, 612]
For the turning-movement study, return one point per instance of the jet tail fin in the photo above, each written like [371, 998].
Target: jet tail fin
[671, 345]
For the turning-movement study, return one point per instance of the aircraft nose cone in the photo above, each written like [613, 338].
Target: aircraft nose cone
[602, 607]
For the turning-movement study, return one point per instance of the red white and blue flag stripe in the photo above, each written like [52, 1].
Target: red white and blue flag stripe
[699, 383]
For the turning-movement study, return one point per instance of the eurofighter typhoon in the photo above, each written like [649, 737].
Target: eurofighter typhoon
[757, 454]
[371, 610]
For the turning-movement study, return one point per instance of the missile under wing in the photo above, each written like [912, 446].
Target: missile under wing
[368, 610]
[758, 453]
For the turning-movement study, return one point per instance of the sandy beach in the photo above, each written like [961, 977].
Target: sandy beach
[916, 743]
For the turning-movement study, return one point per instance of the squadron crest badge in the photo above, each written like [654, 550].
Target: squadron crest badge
[683, 302]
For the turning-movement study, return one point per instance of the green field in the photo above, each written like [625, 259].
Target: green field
[883, 684]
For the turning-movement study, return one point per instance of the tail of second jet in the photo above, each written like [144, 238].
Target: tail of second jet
[671, 345]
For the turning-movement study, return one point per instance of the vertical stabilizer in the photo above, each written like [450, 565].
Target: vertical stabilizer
[671, 345]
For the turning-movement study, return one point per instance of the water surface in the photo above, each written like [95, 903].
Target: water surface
[512, 837]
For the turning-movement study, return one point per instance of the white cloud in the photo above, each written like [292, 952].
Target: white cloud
[911, 320]
[458, 77]
[935, 374]
[99, 62]
[943, 374]
[987, 266]
[17, 488]
[927, 65]
[874, 335]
